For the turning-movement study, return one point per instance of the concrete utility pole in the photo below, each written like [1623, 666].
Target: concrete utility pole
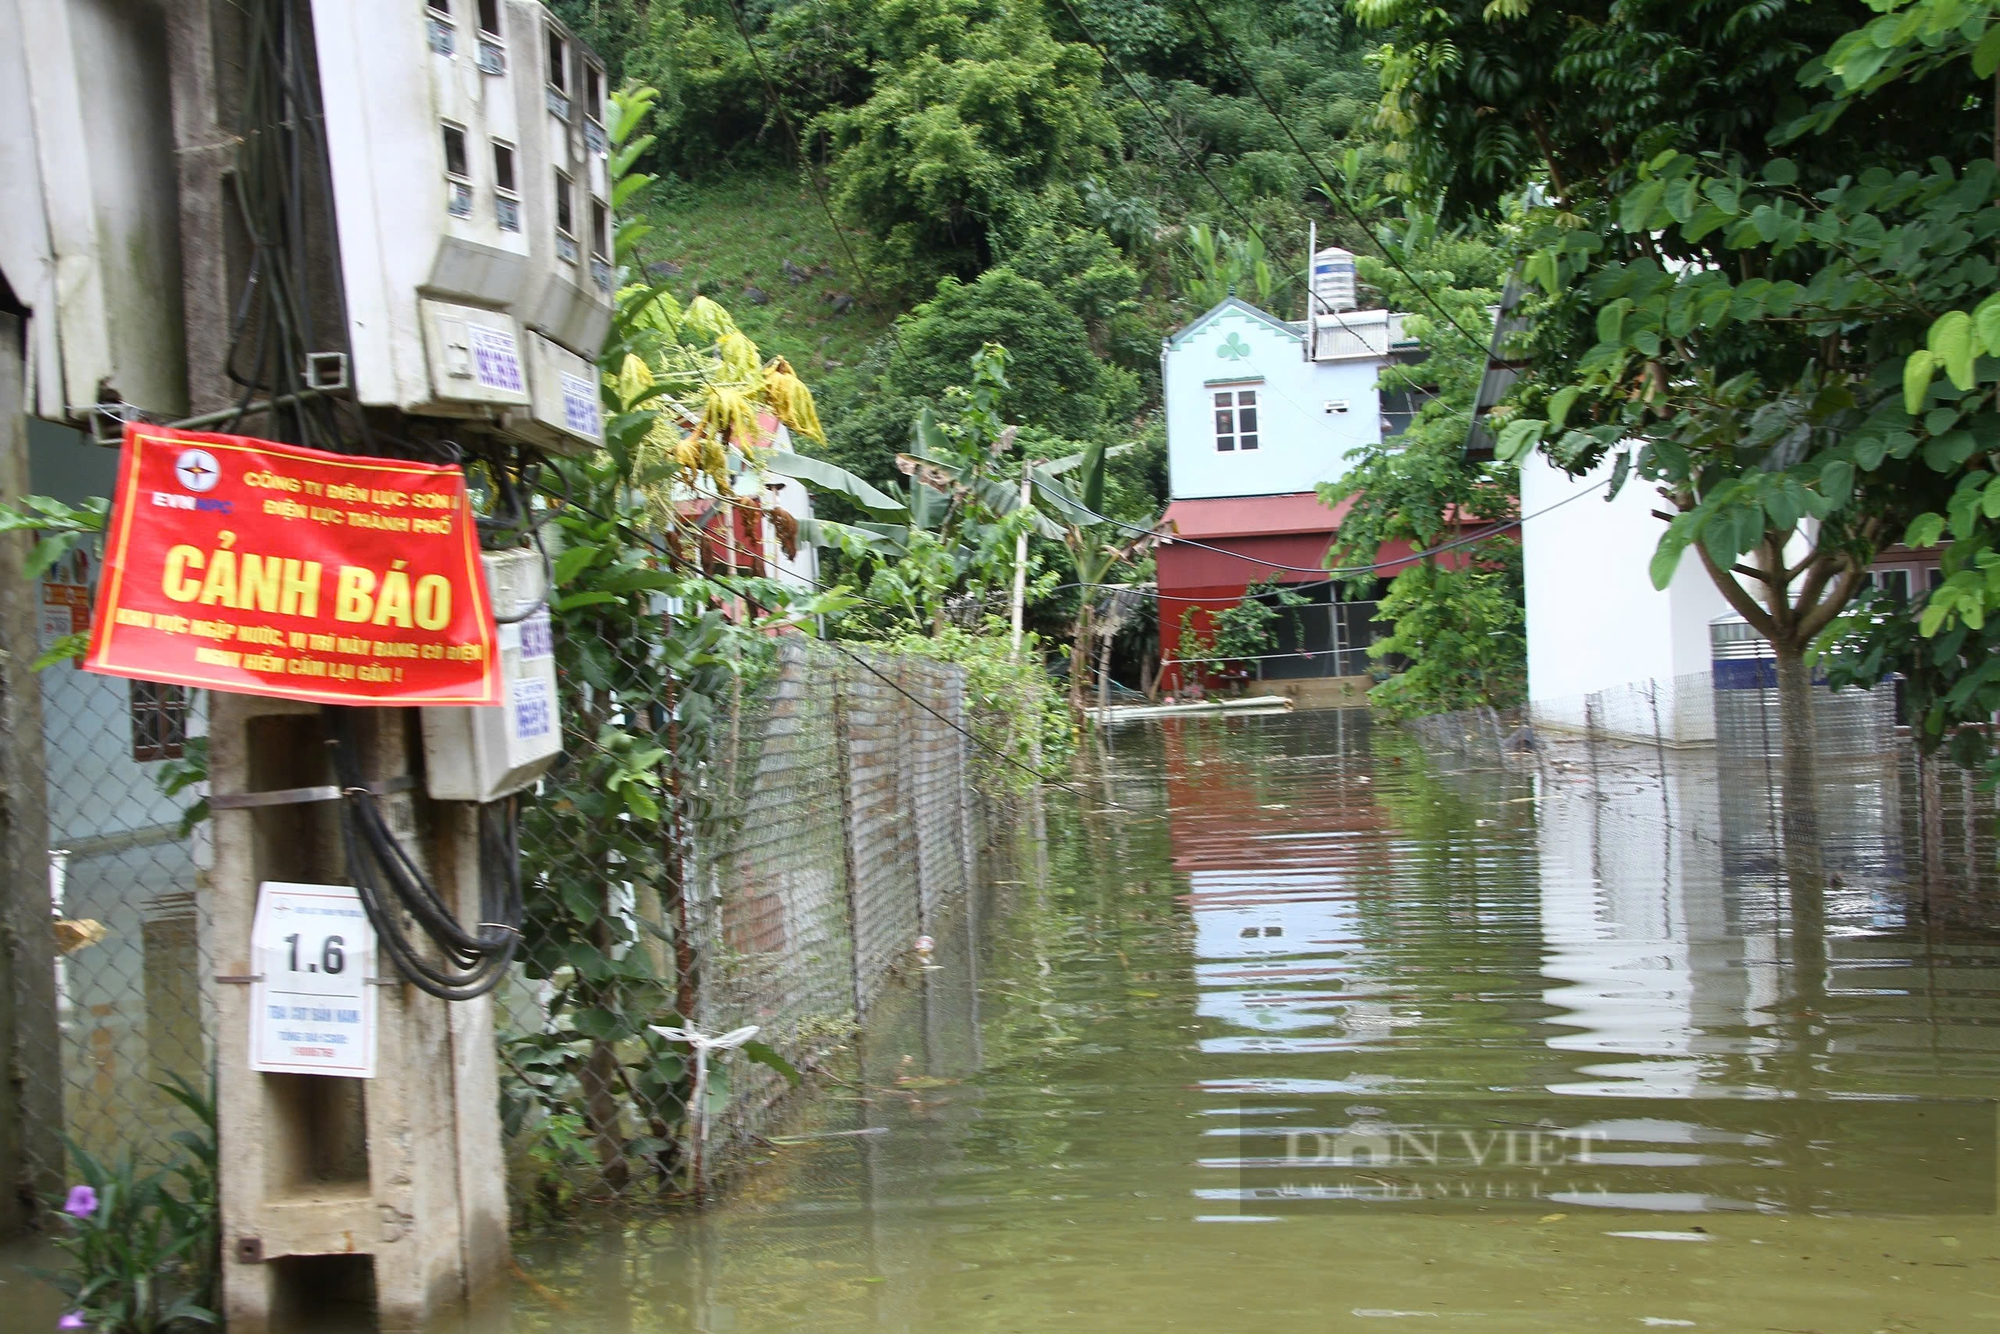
[30, 1075]
[388, 1195]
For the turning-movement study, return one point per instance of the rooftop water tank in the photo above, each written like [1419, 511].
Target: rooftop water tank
[1333, 280]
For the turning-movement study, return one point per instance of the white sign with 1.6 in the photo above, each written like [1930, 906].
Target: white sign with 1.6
[312, 1003]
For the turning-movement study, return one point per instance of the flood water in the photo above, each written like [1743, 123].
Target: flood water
[1281, 1026]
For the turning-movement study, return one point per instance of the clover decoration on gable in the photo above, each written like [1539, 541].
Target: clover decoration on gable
[1233, 348]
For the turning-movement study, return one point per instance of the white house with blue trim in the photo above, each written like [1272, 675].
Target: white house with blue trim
[1260, 411]
[1249, 413]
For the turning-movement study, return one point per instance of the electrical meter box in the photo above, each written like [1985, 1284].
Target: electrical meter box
[486, 753]
[564, 416]
[475, 355]
[471, 195]
[560, 100]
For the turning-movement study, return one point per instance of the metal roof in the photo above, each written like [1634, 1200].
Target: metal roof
[1253, 516]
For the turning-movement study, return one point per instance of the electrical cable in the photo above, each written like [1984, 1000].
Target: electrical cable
[777, 104]
[1187, 153]
[835, 644]
[1333, 192]
[1352, 571]
[999, 754]
[390, 884]
[281, 161]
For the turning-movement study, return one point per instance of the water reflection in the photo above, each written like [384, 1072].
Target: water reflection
[1573, 1048]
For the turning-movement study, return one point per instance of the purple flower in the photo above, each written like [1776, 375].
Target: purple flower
[82, 1203]
[74, 1320]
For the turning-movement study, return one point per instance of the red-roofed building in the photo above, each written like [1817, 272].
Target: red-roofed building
[1257, 415]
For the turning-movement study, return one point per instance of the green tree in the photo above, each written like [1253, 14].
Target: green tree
[1054, 375]
[1462, 632]
[1421, 488]
[947, 147]
[1945, 643]
[1727, 317]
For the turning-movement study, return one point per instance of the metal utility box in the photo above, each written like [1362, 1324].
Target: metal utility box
[468, 210]
[483, 754]
[564, 416]
[474, 354]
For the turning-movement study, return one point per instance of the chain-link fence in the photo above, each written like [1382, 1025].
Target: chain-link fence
[840, 822]
[1676, 712]
[843, 824]
[131, 990]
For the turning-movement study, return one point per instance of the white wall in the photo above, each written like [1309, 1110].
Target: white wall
[89, 218]
[1300, 443]
[1595, 621]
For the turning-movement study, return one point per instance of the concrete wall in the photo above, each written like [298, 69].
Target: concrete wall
[1301, 444]
[30, 1101]
[1595, 621]
[88, 202]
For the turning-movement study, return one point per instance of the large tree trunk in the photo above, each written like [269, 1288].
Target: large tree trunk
[1798, 734]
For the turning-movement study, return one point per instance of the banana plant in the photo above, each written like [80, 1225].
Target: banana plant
[1097, 543]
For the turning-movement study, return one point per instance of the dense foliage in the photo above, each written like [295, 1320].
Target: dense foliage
[1734, 250]
[1091, 150]
[1455, 631]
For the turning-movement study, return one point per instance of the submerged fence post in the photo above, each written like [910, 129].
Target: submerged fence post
[844, 757]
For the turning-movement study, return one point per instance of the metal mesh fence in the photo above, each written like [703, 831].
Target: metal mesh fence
[132, 992]
[845, 823]
[1615, 725]
[842, 820]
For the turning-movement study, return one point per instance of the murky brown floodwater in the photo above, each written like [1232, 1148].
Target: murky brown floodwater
[1307, 1035]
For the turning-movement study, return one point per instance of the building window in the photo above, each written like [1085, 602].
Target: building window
[506, 206]
[565, 219]
[600, 229]
[159, 721]
[489, 16]
[458, 186]
[558, 62]
[454, 153]
[1235, 419]
[1896, 583]
[593, 111]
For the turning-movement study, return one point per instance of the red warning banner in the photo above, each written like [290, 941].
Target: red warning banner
[268, 569]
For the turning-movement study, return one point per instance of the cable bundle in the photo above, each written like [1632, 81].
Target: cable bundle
[391, 884]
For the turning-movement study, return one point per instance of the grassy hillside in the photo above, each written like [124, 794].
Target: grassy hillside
[732, 238]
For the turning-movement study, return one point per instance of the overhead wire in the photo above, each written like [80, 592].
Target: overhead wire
[835, 644]
[776, 103]
[1333, 192]
[1353, 571]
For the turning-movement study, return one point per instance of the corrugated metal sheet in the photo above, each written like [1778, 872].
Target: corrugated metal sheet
[1254, 516]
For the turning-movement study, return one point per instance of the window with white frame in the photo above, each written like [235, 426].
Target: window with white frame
[458, 172]
[1235, 419]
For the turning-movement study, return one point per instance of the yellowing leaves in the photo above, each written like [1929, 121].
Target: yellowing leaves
[789, 398]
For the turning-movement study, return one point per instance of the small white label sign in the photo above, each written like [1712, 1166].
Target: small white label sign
[312, 1007]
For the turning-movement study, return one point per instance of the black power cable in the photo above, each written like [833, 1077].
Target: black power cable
[281, 193]
[1333, 192]
[391, 885]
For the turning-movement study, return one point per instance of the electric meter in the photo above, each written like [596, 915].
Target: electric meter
[487, 752]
